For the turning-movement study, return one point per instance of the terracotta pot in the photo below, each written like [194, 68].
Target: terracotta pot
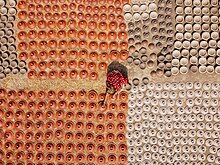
[100, 139]
[23, 56]
[90, 158]
[59, 134]
[110, 127]
[22, 4]
[72, 106]
[89, 137]
[101, 159]
[93, 56]
[69, 126]
[80, 158]
[69, 147]
[69, 158]
[90, 116]
[79, 126]
[33, 55]
[90, 147]
[112, 158]
[79, 136]
[49, 147]
[69, 116]
[101, 149]
[43, 55]
[72, 95]
[121, 137]
[50, 157]
[50, 125]
[22, 25]
[110, 117]
[29, 115]
[60, 114]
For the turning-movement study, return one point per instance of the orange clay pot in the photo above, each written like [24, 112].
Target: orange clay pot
[73, 54]
[101, 159]
[120, 18]
[33, 55]
[80, 158]
[2, 93]
[51, 25]
[50, 125]
[23, 56]
[51, 94]
[80, 16]
[73, 15]
[111, 147]
[60, 114]
[72, 95]
[92, 66]
[92, 106]
[41, 95]
[93, 45]
[103, 17]
[82, 64]
[93, 56]
[92, 25]
[102, 26]
[113, 45]
[102, 107]
[42, 75]
[64, 15]
[80, 147]
[49, 146]
[22, 25]
[112, 36]
[90, 147]
[42, 45]
[121, 127]
[42, 65]
[22, 4]
[90, 127]
[72, 44]
[79, 136]
[42, 105]
[22, 104]
[104, 56]
[31, 15]
[92, 95]
[52, 64]
[102, 36]
[100, 128]
[69, 147]
[100, 139]
[64, 7]
[122, 26]
[90, 116]
[33, 45]
[40, 15]
[42, 24]
[61, 34]
[22, 35]
[102, 66]
[52, 104]
[62, 44]
[79, 126]
[61, 24]
[95, 17]
[32, 74]
[69, 136]
[113, 26]
[12, 94]
[110, 137]
[100, 117]
[72, 106]
[122, 35]
[63, 54]
[73, 74]
[110, 127]
[93, 76]
[82, 24]
[82, 94]
[83, 74]
[82, 44]
[92, 35]
[113, 107]
[69, 126]
[123, 96]
[62, 64]
[123, 106]
[52, 44]
[61, 95]
[121, 138]
[110, 117]
[111, 17]
[101, 149]
[32, 34]
[11, 104]
[112, 158]
[90, 158]
[51, 34]
[62, 104]
[69, 115]
[71, 33]
[114, 55]
[22, 46]
[72, 24]
[31, 106]
[121, 117]
[103, 46]
[80, 115]
[82, 105]
[122, 159]
[123, 55]
[32, 65]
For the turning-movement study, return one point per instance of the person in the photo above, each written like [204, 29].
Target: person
[117, 77]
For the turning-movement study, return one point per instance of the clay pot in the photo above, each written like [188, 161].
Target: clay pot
[101, 149]
[43, 55]
[93, 56]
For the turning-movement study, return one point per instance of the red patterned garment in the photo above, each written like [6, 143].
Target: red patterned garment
[115, 80]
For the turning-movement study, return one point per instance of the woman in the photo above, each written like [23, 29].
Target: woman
[117, 76]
